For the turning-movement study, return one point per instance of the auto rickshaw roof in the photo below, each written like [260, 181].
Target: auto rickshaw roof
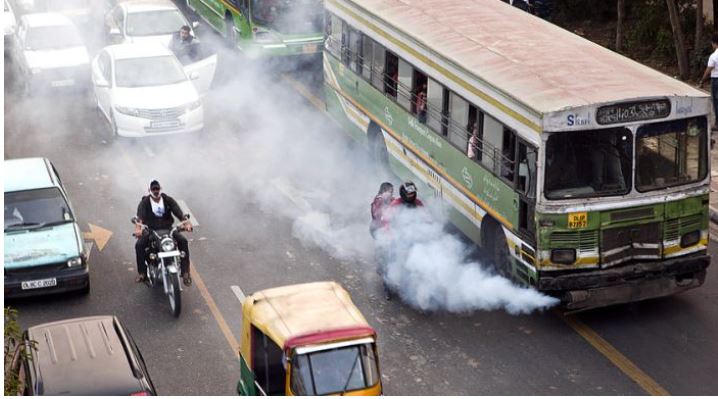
[305, 314]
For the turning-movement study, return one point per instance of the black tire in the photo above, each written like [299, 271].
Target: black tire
[500, 252]
[175, 296]
[230, 37]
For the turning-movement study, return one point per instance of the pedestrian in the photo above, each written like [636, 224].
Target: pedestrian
[182, 45]
[712, 72]
[382, 200]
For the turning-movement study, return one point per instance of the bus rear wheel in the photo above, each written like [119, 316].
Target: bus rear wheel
[500, 252]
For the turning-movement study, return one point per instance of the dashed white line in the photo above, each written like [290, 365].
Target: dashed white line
[238, 293]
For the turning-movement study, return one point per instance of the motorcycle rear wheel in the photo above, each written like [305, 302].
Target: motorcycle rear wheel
[174, 294]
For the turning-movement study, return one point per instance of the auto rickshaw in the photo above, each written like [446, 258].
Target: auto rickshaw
[306, 339]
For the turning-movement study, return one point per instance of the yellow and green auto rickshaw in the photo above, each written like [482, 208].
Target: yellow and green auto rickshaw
[306, 339]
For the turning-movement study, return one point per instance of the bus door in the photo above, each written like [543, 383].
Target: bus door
[525, 185]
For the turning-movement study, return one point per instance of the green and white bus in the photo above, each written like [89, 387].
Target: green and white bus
[266, 28]
[582, 173]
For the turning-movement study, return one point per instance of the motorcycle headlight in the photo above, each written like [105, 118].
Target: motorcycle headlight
[74, 262]
[128, 111]
[193, 105]
[167, 245]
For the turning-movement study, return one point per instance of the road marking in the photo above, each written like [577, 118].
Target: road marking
[291, 194]
[238, 293]
[216, 313]
[600, 344]
[99, 235]
[617, 358]
[186, 209]
[148, 151]
[226, 331]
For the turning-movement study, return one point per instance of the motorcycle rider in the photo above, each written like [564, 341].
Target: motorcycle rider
[407, 197]
[155, 211]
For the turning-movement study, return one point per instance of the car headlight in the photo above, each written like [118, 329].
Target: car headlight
[74, 262]
[128, 111]
[167, 244]
[690, 239]
[193, 105]
[563, 256]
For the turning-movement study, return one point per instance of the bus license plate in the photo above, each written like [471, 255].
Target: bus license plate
[33, 284]
[309, 48]
[165, 124]
[578, 220]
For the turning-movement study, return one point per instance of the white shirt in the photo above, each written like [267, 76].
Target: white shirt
[158, 208]
[713, 63]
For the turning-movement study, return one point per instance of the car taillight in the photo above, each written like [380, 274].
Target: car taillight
[141, 393]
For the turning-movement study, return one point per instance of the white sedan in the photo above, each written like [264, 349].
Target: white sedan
[143, 90]
[147, 21]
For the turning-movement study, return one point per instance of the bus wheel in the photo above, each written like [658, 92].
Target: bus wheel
[378, 147]
[500, 252]
[231, 35]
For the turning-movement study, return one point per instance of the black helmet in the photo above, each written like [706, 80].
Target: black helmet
[407, 191]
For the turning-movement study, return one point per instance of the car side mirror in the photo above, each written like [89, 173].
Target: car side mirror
[194, 75]
[195, 24]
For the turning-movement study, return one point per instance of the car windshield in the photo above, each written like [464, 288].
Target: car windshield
[52, 37]
[588, 163]
[35, 208]
[149, 71]
[335, 370]
[671, 153]
[289, 16]
[154, 23]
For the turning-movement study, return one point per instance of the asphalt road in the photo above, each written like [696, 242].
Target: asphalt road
[261, 188]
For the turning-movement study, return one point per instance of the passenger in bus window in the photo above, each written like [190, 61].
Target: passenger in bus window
[712, 71]
[421, 103]
[473, 149]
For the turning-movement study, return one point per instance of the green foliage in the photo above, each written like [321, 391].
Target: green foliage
[13, 337]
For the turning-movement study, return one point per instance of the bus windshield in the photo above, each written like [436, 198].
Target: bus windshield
[289, 16]
[588, 164]
[334, 371]
[671, 153]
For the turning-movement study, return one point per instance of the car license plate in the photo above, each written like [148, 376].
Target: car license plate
[309, 48]
[33, 284]
[165, 124]
[578, 220]
[62, 83]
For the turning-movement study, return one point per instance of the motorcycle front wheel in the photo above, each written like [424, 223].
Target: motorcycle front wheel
[174, 294]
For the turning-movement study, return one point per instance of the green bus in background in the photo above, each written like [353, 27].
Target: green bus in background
[266, 28]
[581, 172]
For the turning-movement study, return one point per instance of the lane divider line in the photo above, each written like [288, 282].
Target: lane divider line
[601, 345]
[238, 293]
[628, 368]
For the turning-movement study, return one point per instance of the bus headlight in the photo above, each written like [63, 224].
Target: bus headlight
[167, 244]
[563, 256]
[690, 239]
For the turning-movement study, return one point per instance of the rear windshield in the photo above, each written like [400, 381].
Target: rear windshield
[52, 37]
[36, 209]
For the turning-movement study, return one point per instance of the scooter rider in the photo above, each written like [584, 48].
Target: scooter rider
[155, 211]
[407, 197]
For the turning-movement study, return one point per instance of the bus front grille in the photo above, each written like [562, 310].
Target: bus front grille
[622, 244]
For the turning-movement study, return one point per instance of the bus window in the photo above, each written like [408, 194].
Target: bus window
[435, 98]
[588, 163]
[367, 56]
[354, 46]
[334, 43]
[493, 136]
[404, 84]
[267, 363]
[508, 154]
[526, 182]
[475, 129]
[345, 44]
[378, 62]
[391, 77]
[418, 95]
[459, 119]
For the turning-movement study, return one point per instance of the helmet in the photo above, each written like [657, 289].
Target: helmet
[407, 191]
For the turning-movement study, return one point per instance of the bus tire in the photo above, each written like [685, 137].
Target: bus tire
[230, 36]
[500, 253]
[377, 146]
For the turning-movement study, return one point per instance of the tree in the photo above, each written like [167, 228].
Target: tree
[679, 42]
[699, 30]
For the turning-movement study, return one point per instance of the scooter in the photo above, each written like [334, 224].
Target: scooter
[163, 263]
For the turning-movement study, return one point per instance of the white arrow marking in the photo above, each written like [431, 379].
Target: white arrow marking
[238, 293]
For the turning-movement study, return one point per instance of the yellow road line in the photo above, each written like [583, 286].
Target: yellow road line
[617, 358]
[606, 349]
[223, 326]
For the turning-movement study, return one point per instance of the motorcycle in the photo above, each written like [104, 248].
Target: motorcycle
[163, 263]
